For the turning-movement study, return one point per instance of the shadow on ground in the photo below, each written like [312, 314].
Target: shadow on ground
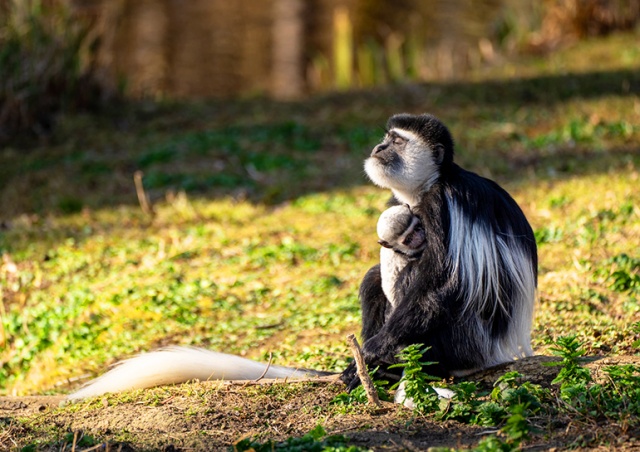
[272, 152]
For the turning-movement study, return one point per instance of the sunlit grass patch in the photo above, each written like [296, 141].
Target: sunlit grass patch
[228, 275]
[583, 225]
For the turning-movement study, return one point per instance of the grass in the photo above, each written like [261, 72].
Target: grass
[265, 223]
[315, 440]
[220, 274]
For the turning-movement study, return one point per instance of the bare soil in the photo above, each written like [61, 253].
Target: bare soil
[215, 416]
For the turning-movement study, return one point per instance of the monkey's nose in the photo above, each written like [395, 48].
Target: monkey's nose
[379, 148]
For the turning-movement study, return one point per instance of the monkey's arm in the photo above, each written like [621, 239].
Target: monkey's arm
[374, 305]
[413, 321]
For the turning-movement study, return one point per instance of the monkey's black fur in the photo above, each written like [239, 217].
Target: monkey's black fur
[470, 295]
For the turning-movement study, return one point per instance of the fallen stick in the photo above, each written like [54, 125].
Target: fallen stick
[143, 199]
[365, 379]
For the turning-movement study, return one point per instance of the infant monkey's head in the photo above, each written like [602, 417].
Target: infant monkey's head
[402, 231]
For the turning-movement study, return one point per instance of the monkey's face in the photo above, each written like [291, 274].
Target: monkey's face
[403, 163]
[415, 237]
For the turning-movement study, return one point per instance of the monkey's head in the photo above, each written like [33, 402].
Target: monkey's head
[401, 230]
[413, 154]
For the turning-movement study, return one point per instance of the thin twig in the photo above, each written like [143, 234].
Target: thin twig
[367, 384]
[333, 378]
[266, 369]
[269, 326]
[143, 199]
[75, 440]
[97, 447]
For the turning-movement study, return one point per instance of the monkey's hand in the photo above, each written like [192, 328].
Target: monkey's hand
[350, 376]
[378, 352]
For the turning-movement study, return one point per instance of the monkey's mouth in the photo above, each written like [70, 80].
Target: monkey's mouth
[385, 157]
[382, 172]
[390, 163]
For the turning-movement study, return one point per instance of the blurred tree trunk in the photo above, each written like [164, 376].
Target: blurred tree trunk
[451, 34]
[147, 58]
[287, 70]
[254, 53]
[197, 66]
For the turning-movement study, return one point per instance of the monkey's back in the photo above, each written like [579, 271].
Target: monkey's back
[485, 290]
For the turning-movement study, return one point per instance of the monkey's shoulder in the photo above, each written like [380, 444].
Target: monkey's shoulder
[472, 186]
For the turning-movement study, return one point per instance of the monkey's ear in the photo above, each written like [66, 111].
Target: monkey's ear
[384, 243]
[438, 153]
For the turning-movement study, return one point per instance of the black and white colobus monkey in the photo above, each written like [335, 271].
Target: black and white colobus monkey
[470, 295]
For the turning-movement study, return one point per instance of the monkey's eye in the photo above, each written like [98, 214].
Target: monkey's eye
[398, 140]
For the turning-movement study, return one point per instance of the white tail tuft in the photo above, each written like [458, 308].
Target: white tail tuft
[180, 364]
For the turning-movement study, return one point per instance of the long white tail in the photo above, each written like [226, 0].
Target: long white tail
[180, 364]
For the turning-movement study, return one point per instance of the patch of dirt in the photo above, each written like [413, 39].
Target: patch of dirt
[210, 416]
[215, 416]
